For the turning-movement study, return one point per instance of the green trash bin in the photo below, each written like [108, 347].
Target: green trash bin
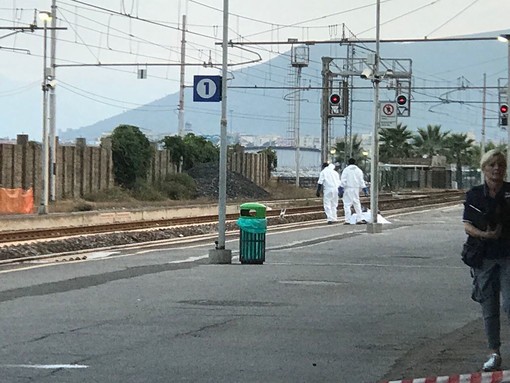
[252, 239]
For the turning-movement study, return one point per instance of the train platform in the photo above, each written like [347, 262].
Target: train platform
[330, 303]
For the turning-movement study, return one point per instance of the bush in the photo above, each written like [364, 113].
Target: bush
[178, 186]
[83, 206]
[115, 194]
[131, 155]
[142, 191]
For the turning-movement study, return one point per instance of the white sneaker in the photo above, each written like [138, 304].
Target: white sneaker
[493, 363]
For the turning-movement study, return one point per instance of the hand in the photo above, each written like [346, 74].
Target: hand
[365, 191]
[492, 233]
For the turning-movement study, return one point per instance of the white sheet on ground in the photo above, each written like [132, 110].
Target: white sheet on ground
[367, 216]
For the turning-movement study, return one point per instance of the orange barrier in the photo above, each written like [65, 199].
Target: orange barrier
[16, 201]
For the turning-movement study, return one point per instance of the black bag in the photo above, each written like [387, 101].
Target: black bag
[473, 252]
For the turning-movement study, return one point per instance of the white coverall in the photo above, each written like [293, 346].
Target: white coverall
[330, 181]
[352, 181]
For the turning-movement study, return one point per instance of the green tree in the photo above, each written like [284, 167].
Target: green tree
[198, 150]
[131, 154]
[175, 145]
[430, 141]
[395, 143]
[191, 150]
[343, 152]
[460, 149]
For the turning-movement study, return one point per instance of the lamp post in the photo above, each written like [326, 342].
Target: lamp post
[45, 16]
[506, 39]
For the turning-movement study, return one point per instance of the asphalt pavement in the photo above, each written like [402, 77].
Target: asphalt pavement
[331, 303]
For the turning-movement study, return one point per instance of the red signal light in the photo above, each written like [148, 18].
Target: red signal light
[334, 99]
[401, 100]
[503, 109]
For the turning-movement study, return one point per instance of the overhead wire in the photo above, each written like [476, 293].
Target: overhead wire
[452, 18]
[241, 73]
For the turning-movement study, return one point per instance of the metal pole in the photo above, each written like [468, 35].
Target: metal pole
[220, 255]
[52, 104]
[508, 127]
[43, 208]
[180, 129]
[375, 227]
[482, 146]
[297, 112]
[223, 132]
[324, 109]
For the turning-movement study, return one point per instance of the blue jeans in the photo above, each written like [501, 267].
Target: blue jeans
[491, 281]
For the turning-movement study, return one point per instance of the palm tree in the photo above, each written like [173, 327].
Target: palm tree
[342, 149]
[430, 142]
[460, 150]
[395, 143]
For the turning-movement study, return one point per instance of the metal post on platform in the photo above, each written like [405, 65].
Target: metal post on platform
[220, 255]
[43, 208]
[506, 38]
[374, 226]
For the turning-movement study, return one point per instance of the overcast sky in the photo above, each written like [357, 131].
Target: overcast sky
[99, 31]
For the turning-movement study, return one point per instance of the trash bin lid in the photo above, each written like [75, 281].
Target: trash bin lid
[253, 210]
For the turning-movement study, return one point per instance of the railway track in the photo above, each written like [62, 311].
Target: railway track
[274, 215]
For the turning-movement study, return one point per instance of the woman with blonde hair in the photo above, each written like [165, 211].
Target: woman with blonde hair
[487, 218]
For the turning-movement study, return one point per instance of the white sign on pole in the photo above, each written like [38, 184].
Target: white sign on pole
[387, 115]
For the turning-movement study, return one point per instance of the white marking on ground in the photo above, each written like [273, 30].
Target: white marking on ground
[190, 259]
[101, 254]
[329, 283]
[45, 366]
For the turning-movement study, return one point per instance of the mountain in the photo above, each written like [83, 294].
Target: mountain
[258, 96]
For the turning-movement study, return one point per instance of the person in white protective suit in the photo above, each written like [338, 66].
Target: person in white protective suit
[329, 182]
[352, 183]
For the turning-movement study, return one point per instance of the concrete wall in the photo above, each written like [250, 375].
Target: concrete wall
[254, 166]
[82, 169]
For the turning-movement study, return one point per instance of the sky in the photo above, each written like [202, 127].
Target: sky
[143, 32]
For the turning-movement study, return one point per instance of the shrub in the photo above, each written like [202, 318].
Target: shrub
[142, 191]
[178, 186]
[131, 154]
[83, 206]
[115, 194]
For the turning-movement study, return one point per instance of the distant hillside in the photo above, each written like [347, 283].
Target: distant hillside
[263, 111]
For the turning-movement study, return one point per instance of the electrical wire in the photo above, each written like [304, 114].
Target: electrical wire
[452, 18]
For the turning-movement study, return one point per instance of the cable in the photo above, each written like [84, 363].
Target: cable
[402, 15]
[452, 18]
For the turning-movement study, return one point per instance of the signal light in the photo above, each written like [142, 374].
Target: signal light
[401, 100]
[503, 115]
[334, 99]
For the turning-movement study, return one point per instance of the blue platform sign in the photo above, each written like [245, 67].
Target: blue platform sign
[207, 88]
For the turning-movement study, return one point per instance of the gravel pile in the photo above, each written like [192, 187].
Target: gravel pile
[238, 187]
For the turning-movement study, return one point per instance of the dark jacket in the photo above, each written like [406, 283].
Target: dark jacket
[483, 211]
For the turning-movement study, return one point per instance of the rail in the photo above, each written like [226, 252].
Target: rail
[275, 216]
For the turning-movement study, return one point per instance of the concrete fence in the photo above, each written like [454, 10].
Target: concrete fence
[82, 169]
[254, 166]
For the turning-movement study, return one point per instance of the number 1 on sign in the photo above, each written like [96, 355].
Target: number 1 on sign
[206, 88]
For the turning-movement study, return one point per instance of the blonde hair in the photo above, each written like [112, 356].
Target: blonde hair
[490, 155]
